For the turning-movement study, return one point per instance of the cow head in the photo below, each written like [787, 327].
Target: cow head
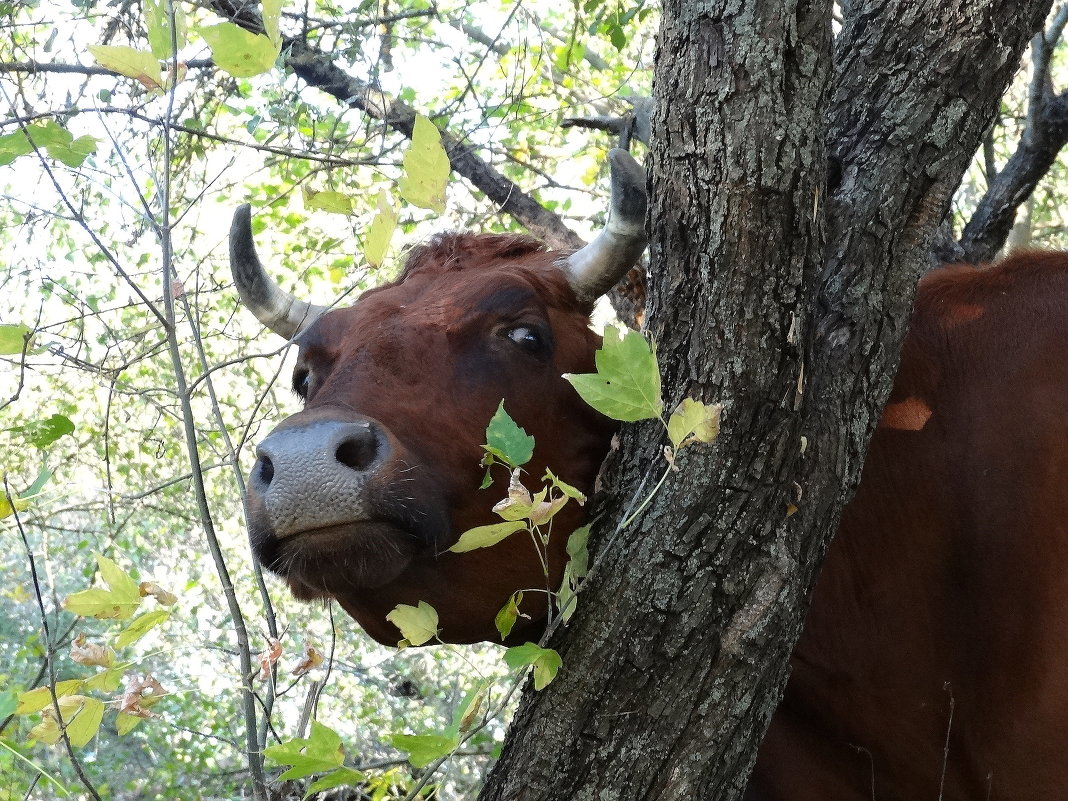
[358, 496]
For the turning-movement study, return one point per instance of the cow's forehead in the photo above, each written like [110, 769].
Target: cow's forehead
[450, 298]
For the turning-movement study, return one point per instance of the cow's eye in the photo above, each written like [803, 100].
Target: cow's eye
[301, 383]
[527, 337]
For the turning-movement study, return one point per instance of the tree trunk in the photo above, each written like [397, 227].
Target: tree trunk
[786, 300]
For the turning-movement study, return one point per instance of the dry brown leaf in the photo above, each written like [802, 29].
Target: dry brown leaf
[312, 659]
[269, 657]
[147, 588]
[87, 653]
[138, 695]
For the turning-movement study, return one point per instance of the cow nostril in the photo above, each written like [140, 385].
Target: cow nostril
[266, 469]
[359, 451]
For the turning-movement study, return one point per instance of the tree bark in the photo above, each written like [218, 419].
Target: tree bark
[786, 300]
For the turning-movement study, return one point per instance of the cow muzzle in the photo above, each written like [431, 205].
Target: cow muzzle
[318, 475]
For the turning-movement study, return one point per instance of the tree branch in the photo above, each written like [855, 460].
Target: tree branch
[1044, 136]
[39, 67]
[317, 69]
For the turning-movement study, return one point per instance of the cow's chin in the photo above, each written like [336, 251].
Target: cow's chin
[322, 562]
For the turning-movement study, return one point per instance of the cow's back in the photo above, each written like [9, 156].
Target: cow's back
[934, 662]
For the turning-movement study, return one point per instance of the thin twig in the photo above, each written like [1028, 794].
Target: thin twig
[60, 722]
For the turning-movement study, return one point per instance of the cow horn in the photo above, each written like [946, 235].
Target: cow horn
[280, 311]
[596, 268]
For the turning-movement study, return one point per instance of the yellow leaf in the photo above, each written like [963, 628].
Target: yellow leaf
[380, 232]
[107, 681]
[693, 421]
[125, 723]
[272, 12]
[334, 202]
[21, 505]
[81, 718]
[140, 65]
[37, 699]
[417, 624]
[119, 601]
[239, 52]
[426, 168]
[486, 536]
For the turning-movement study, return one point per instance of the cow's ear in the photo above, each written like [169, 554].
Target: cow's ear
[283, 313]
[596, 268]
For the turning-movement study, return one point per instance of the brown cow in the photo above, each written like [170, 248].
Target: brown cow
[934, 659]
[358, 496]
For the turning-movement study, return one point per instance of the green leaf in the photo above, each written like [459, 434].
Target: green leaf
[140, 65]
[545, 661]
[379, 234]
[12, 146]
[321, 751]
[576, 549]
[239, 52]
[417, 624]
[48, 134]
[565, 596]
[423, 749]
[119, 601]
[564, 487]
[693, 421]
[507, 441]
[333, 202]
[508, 615]
[38, 483]
[140, 626]
[485, 536]
[574, 571]
[51, 137]
[468, 713]
[341, 777]
[426, 168]
[626, 385]
[120, 582]
[73, 153]
[158, 21]
[42, 433]
[15, 338]
[8, 703]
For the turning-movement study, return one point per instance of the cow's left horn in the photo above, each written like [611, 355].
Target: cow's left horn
[280, 311]
[596, 268]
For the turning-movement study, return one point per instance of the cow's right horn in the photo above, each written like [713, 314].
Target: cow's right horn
[280, 311]
[596, 268]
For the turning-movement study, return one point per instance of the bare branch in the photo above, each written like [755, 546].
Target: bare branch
[39, 67]
[1044, 136]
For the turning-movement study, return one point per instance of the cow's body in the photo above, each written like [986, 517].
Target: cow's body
[934, 662]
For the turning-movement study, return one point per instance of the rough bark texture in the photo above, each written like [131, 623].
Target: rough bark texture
[787, 301]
